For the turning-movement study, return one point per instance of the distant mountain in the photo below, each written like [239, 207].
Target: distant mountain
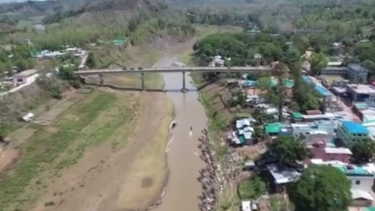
[99, 10]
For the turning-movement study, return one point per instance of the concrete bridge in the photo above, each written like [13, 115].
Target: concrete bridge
[182, 70]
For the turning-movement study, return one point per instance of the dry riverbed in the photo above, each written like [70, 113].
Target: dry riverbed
[93, 155]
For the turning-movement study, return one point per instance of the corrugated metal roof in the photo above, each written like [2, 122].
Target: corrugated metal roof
[297, 115]
[359, 194]
[313, 112]
[345, 151]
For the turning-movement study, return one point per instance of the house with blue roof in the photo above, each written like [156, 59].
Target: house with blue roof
[323, 92]
[350, 132]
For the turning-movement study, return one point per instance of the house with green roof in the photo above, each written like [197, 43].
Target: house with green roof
[276, 129]
[297, 117]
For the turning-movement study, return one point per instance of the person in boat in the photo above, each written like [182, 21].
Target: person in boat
[174, 124]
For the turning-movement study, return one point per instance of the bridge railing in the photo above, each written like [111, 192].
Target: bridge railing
[174, 69]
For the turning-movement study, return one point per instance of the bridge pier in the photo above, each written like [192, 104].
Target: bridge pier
[101, 79]
[143, 81]
[183, 83]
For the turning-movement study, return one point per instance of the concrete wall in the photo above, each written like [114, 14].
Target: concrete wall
[363, 183]
[356, 75]
[348, 138]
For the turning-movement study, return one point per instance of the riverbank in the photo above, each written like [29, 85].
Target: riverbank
[93, 154]
[213, 97]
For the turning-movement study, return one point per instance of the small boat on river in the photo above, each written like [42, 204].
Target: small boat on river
[173, 124]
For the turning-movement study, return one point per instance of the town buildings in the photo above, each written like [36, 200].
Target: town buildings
[361, 179]
[340, 71]
[351, 132]
[322, 127]
[361, 93]
[354, 72]
[357, 73]
[243, 132]
[280, 175]
[320, 150]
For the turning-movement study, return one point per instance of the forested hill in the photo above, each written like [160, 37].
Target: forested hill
[129, 8]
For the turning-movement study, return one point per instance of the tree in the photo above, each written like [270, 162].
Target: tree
[252, 188]
[303, 94]
[276, 94]
[91, 60]
[288, 150]
[261, 117]
[363, 151]
[2, 131]
[292, 56]
[318, 62]
[238, 98]
[321, 188]
[259, 132]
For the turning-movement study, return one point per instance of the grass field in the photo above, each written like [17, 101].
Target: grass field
[331, 78]
[44, 147]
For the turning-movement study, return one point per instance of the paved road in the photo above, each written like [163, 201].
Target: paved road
[175, 70]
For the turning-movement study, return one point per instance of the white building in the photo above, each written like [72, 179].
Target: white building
[248, 206]
[361, 179]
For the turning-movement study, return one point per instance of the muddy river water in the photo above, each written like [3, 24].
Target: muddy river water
[183, 189]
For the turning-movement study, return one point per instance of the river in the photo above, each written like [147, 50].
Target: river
[184, 163]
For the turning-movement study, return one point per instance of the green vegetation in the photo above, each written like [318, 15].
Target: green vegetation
[288, 150]
[44, 148]
[241, 48]
[363, 152]
[252, 188]
[90, 23]
[203, 31]
[318, 62]
[18, 56]
[334, 189]
[253, 49]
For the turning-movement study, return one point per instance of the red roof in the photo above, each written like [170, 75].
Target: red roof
[313, 112]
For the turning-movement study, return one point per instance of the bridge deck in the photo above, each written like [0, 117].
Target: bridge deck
[175, 70]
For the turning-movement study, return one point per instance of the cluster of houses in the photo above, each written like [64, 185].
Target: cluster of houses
[328, 134]
[329, 142]
[47, 54]
[21, 79]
